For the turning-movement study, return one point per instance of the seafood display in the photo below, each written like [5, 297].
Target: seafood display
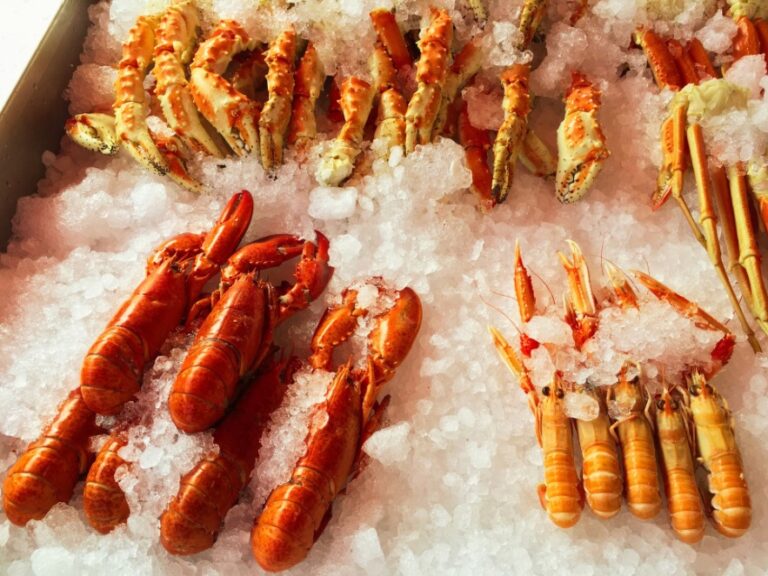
[722, 189]
[621, 420]
[220, 406]
[228, 68]
[230, 344]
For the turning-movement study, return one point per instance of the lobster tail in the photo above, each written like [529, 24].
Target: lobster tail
[193, 518]
[48, 471]
[112, 369]
[235, 337]
[103, 500]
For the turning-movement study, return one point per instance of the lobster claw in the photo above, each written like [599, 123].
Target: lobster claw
[393, 335]
[221, 240]
[263, 253]
[312, 276]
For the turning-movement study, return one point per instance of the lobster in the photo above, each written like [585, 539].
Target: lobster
[297, 511]
[112, 370]
[176, 273]
[720, 456]
[686, 509]
[192, 520]
[237, 334]
[48, 471]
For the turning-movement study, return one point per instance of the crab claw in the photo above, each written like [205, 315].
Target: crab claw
[94, 131]
[580, 141]
[509, 139]
[228, 110]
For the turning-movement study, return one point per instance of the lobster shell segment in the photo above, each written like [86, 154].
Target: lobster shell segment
[49, 469]
[235, 336]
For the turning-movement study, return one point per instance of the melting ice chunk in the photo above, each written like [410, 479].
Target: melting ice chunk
[582, 406]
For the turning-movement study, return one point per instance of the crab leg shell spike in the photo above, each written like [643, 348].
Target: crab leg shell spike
[308, 85]
[176, 39]
[561, 494]
[686, 509]
[431, 71]
[208, 491]
[46, 473]
[232, 113]
[476, 144]
[580, 141]
[356, 101]
[276, 115]
[509, 139]
[104, 501]
[601, 470]
[719, 453]
[288, 526]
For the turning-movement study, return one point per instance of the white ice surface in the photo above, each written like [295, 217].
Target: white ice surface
[450, 485]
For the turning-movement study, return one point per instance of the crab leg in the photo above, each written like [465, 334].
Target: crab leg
[431, 71]
[506, 147]
[276, 114]
[308, 85]
[390, 36]
[356, 102]
[176, 37]
[465, 66]
[230, 111]
[749, 254]
[530, 17]
[390, 117]
[105, 134]
[476, 144]
[728, 224]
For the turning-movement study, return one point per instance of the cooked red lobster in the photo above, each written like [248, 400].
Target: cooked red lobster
[295, 512]
[111, 374]
[237, 334]
[192, 520]
[232, 341]
[176, 273]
